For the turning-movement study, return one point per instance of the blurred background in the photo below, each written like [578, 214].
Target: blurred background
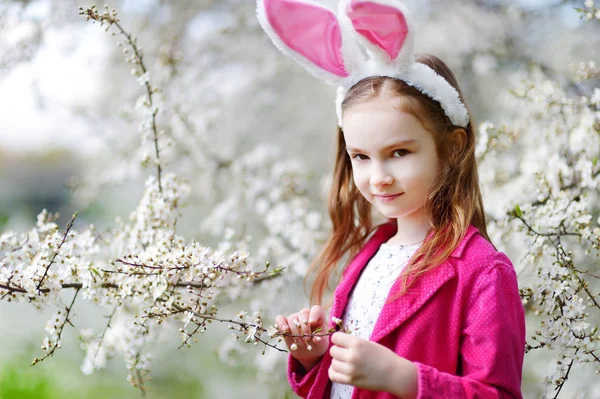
[70, 141]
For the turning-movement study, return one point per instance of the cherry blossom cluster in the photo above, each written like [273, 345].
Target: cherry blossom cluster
[589, 11]
[275, 219]
[166, 281]
[552, 194]
[584, 70]
[142, 271]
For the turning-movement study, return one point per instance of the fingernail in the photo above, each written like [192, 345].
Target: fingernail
[312, 320]
[285, 327]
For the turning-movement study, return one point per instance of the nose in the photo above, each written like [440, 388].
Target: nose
[380, 175]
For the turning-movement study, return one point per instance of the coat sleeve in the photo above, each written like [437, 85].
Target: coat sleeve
[492, 344]
[301, 381]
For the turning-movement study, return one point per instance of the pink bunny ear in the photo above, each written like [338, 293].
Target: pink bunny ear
[384, 25]
[311, 31]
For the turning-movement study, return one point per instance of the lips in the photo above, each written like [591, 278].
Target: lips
[387, 197]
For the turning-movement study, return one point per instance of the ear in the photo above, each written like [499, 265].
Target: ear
[308, 33]
[384, 28]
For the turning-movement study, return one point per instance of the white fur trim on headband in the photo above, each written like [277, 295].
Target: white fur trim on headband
[423, 78]
[435, 86]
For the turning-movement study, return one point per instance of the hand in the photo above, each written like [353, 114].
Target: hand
[305, 322]
[369, 365]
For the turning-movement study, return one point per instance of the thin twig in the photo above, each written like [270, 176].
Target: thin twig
[111, 19]
[149, 92]
[105, 329]
[69, 226]
[60, 330]
[562, 384]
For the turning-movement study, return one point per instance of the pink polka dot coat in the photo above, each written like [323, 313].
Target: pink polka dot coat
[462, 324]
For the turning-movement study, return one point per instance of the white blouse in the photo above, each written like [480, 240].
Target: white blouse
[369, 294]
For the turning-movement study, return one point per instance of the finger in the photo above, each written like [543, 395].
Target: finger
[336, 376]
[281, 322]
[316, 317]
[304, 327]
[284, 326]
[303, 316]
[341, 367]
[342, 339]
[284, 323]
[295, 329]
[317, 320]
[340, 354]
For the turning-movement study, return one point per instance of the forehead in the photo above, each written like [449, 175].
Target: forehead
[379, 121]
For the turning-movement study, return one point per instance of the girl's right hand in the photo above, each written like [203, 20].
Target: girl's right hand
[305, 322]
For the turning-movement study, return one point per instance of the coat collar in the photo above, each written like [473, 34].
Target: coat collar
[395, 313]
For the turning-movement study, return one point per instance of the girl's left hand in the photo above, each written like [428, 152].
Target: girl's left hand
[369, 365]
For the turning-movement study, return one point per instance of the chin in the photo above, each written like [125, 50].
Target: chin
[390, 214]
[397, 213]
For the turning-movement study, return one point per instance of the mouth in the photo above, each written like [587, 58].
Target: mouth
[387, 197]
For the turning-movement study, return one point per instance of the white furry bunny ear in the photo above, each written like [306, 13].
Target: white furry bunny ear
[311, 35]
[384, 27]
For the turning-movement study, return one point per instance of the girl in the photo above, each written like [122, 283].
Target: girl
[434, 310]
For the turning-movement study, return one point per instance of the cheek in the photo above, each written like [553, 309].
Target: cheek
[421, 174]
[432, 170]
[358, 175]
[361, 179]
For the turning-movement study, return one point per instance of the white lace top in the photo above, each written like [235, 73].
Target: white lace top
[369, 294]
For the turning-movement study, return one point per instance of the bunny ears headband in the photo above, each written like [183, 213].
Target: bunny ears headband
[327, 46]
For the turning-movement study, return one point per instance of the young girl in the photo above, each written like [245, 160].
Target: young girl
[433, 309]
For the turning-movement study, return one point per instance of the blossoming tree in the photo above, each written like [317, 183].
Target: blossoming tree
[149, 278]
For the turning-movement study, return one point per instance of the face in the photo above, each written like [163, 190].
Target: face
[394, 161]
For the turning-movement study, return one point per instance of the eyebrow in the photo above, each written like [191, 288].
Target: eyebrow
[396, 144]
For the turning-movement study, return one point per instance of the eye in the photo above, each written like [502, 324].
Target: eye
[361, 157]
[400, 153]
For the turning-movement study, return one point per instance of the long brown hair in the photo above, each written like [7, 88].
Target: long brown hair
[454, 201]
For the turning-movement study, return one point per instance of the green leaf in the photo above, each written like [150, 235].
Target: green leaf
[276, 271]
[518, 211]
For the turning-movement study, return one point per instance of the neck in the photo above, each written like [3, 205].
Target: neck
[412, 229]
